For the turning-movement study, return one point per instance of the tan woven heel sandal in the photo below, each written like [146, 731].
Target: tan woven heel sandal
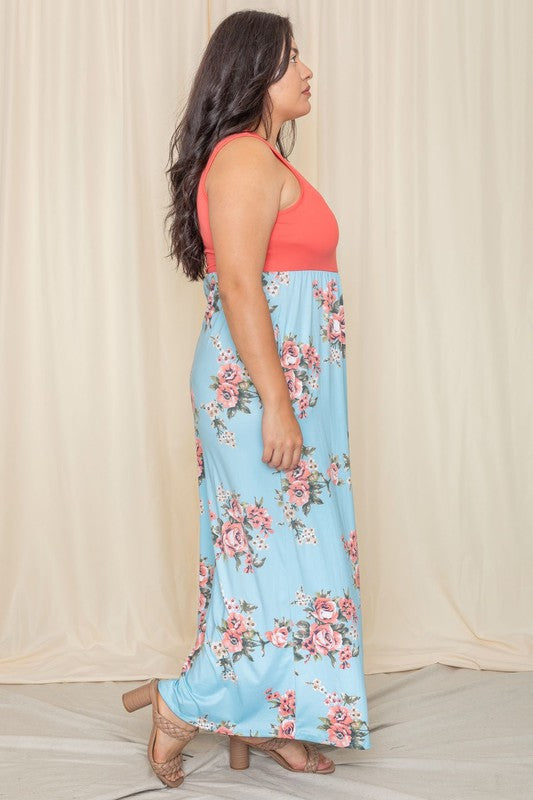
[169, 772]
[239, 754]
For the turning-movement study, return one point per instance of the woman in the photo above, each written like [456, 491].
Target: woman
[278, 660]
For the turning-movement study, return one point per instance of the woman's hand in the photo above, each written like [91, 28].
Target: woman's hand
[282, 435]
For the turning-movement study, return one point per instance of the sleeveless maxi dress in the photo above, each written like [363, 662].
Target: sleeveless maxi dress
[279, 649]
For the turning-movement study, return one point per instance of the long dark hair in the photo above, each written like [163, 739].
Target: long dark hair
[228, 95]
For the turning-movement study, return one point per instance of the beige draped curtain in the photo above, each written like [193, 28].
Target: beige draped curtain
[419, 138]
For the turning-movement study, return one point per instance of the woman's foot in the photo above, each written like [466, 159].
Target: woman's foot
[293, 751]
[166, 746]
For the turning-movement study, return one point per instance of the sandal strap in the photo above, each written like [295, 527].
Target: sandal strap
[171, 728]
[168, 769]
[272, 744]
[313, 757]
[164, 724]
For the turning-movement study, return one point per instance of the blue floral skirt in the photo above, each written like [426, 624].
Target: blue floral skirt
[279, 649]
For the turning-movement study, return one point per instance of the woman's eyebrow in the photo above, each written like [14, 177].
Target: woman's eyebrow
[295, 49]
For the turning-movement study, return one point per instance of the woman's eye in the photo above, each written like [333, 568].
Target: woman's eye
[294, 56]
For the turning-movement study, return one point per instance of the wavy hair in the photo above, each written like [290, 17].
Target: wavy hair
[247, 52]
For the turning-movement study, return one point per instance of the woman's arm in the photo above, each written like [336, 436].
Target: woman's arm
[244, 187]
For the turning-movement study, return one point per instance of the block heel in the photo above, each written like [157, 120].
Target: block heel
[137, 698]
[239, 753]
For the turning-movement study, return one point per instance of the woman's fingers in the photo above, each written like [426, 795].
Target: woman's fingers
[283, 457]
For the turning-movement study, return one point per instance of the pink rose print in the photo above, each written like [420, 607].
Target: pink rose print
[279, 635]
[343, 725]
[230, 373]
[241, 530]
[286, 708]
[204, 574]
[286, 704]
[303, 484]
[303, 404]
[330, 629]
[322, 639]
[325, 610]
[301, 488]
[332, 328]
[199, 458]
[350, 545]
[290, 354]
[230, 377]
[334, 472]
[233, 392]
[227, 383]
[258, 517]
[232, 539]
[302, 470]
[311, 357]
[224, 729]
[299, 492]
[286, 729]
[336, 333]
[236, 623]
[239, 637]
[301, 366]
[340, 715]
[232, 641]
[340, 735]
[347, 607]
[345, 654]
[227, 395]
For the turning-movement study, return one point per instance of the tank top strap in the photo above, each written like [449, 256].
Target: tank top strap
[287, 163]
[276, 151]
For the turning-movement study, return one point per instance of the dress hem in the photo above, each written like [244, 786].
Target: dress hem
[307, 737]
[299, 738]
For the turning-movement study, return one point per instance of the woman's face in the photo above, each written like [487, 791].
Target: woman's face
[287, 94]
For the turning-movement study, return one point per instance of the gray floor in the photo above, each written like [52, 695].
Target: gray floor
[437, 732]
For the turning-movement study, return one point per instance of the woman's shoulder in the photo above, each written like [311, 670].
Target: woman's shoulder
[239, 153]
